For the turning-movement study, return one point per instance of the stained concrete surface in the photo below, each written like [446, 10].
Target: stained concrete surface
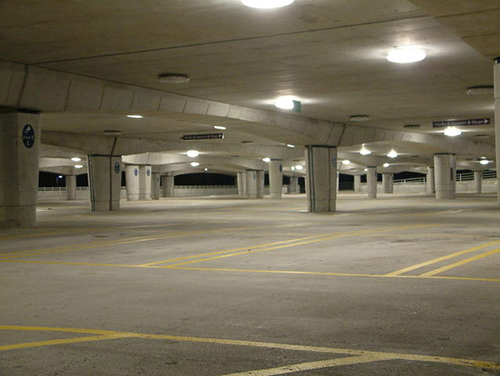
[256, 271]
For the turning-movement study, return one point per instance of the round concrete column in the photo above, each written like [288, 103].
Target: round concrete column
[71, 187]
[168, 186]
[294, 185]
[276, 178]
[321, 180]
[357, 183]
[145, 183]
[132, 181]
[242, 183]
[260, 184]
[105, 178]
[431, 186]
[371, 182]
[445, 175]
[19, 155]
[155, 186]
[251, 184]
[478, 181]
[497, 120]
[388, 182]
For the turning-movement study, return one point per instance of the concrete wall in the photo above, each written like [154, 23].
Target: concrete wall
[489, 186]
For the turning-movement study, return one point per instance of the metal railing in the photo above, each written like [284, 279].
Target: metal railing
[204, 186]
[465, 176]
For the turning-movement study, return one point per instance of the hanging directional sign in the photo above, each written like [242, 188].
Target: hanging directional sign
[448, 123]
[208, 136]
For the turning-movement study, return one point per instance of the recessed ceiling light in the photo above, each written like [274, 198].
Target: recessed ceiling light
[76, 159]
[299, 167]
[267, 159]
[266, 4]
[220, 127]
[346, 162]
[411, 126]
[392, 154]
[484, 161]
[481, 90]
[290, 145]
[195, 164]
[78, 166]
[452, 132]
[386, 165]
[193, 153]
[359, 117]
[285, 103]
[173, 78]
[110, 132]
[135, 116]
[406, 55]
[365, 170]
[364, 151]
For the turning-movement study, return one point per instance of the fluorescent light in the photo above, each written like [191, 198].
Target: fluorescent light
[346, 162]
[135, 116]
[285, 103]
[78, 166]
[267, 159]
[76, 159]
[173, 78]
[266, 4]
[386, 165]
[290, 145]
[364, 151]
[193, 153]
[359, 118]
[299, 167]
[452, 132]
[219, 127]
[195, 164]
[484, 162]
[406, 55]
[392, 154]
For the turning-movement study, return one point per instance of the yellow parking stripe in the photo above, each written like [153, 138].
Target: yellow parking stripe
[439, 259]
[459, 263]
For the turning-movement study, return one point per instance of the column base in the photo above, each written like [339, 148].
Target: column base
[17, 216]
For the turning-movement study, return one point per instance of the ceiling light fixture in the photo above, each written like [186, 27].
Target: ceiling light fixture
[480, 90]
[365, 170]
[346, 162]
[392, 154]
[267, 159]
[484, 162]
[386, 165]
[135, 116]
[285, 103]
[193, 153]
[406, 55]
[452, 132]
[195, 164]
[220, 127]
[76, 159]
[364, 151]
[78, 166]
[205, 169]
[266, 4]
[173, 78]
[299, 167]
[290, 145]
[359, 117]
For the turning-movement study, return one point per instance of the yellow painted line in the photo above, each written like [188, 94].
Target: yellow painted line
[313, 365]
[61, 342]
[270, 345]
[459, 263]
[69, 263]
[315, 239]
[439, 259]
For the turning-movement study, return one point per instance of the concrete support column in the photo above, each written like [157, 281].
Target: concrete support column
[242, 183]
[357, 183]
[321, 180]
[371, 182]
[155, 186]
[445, 175]
[276, 178]
[19, 152]
[105, 182]
[496, 70]
[71, 187]
[388, 182]
[294, 185]
[260, 184]
[168, 186]
[478, 181]
[431, 185]
[144, 183]
[132, 181]
[251, 184]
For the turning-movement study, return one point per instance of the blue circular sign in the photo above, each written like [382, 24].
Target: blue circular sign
[117, 168]
[148, 172]
[136, 172]
[28, 136]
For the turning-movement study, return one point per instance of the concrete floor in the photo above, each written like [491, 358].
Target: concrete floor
[225, 286]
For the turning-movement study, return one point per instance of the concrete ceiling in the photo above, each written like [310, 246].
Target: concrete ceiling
[329, 54]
